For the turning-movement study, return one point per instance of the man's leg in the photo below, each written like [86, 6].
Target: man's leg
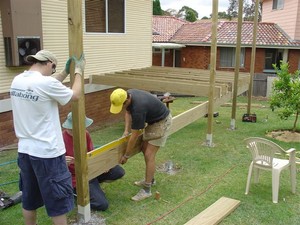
[114, 173]
[98, 200]
[29, 216]
[149, 155]
[60, 220]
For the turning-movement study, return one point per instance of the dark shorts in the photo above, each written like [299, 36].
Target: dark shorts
[46, 182]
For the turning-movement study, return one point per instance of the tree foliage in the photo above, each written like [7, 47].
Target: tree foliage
[156, 8]
[248, 10]
[188, 13]
[222, 15]
[185, 13]
[286, 93]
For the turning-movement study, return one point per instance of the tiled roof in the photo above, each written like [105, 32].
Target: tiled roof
[268, 34]
[164, 27]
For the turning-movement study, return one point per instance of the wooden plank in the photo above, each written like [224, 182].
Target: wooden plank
[188, 117]
[132, 78]
[182, 78]
[106, 157]
[183, 75]
[156, 85]
[215, 213]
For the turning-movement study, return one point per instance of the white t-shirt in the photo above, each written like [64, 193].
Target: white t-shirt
[35, 99]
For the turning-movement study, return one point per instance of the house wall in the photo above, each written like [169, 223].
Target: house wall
[156, 59]
[104, 53]
[294, 60]
[195, 57]
[198, 57]
[287, 18]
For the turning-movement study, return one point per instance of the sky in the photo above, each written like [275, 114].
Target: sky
[203, 7]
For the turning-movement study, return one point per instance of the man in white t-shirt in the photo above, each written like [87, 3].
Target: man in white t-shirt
[44, 176]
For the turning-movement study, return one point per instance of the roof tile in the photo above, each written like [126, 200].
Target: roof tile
[164, 27]
[171, 29]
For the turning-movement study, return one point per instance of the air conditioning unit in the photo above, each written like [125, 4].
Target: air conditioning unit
[22, 29]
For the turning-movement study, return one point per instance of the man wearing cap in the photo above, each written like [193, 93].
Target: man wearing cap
[141, 108]
[98, 200]
[44, 176]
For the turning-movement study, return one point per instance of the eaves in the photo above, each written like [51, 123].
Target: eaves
[242, 45]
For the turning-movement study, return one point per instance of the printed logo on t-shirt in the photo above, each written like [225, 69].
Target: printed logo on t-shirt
[24, 94]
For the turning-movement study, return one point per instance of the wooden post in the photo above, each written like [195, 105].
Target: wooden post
[213, 57]
[78, 113]
[253, 52]
[237, 64]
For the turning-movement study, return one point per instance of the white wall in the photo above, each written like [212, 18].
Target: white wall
[104, 52]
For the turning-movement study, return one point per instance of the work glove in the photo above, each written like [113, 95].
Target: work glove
[65, 72]
[79, 64]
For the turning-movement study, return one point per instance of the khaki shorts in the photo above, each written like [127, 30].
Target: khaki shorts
[162, 141]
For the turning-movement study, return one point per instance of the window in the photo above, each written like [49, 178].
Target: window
[272, 56]
[278, 4]
[105, 16]
[227, 57]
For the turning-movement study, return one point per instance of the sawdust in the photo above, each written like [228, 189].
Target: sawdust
[285, 135]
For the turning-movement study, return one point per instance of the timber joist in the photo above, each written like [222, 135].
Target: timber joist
[173, 80]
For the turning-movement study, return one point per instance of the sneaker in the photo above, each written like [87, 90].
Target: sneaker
[141, 195]
[140, 183]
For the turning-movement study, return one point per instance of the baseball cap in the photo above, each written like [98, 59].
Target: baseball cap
[117, 98]
[42, 55]
[68, 123]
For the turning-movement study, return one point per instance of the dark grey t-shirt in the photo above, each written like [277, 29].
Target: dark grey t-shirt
[145, 107]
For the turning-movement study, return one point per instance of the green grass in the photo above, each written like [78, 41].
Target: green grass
[205, 175]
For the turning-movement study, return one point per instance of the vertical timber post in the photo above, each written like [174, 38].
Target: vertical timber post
[78, 113]
[253, 52]
[237, 64]
[213, 57]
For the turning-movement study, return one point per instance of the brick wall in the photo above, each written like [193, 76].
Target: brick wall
[156, 59]
[294, 60]
[97, 106]
[195, 57]
[198, 57]
[7, 133]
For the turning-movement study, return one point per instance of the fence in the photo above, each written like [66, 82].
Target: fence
[262, 84]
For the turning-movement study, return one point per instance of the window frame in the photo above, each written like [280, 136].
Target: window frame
[277, 4]
[106, 19]
[275, 56]
[231, 62]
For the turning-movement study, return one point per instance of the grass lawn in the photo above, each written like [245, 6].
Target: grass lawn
[205, 174]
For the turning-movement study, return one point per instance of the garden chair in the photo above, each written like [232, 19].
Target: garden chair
[263, 158]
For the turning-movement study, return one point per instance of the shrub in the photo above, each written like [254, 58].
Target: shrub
[285, 95]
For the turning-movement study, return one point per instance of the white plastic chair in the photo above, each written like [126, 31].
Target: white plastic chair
[263, 157]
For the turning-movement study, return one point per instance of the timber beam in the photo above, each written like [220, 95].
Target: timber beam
[193, 88]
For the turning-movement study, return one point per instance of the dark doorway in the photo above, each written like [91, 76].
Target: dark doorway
[177, 58]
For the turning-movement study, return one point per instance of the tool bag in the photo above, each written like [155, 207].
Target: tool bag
[7, 201]
[249, 118]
